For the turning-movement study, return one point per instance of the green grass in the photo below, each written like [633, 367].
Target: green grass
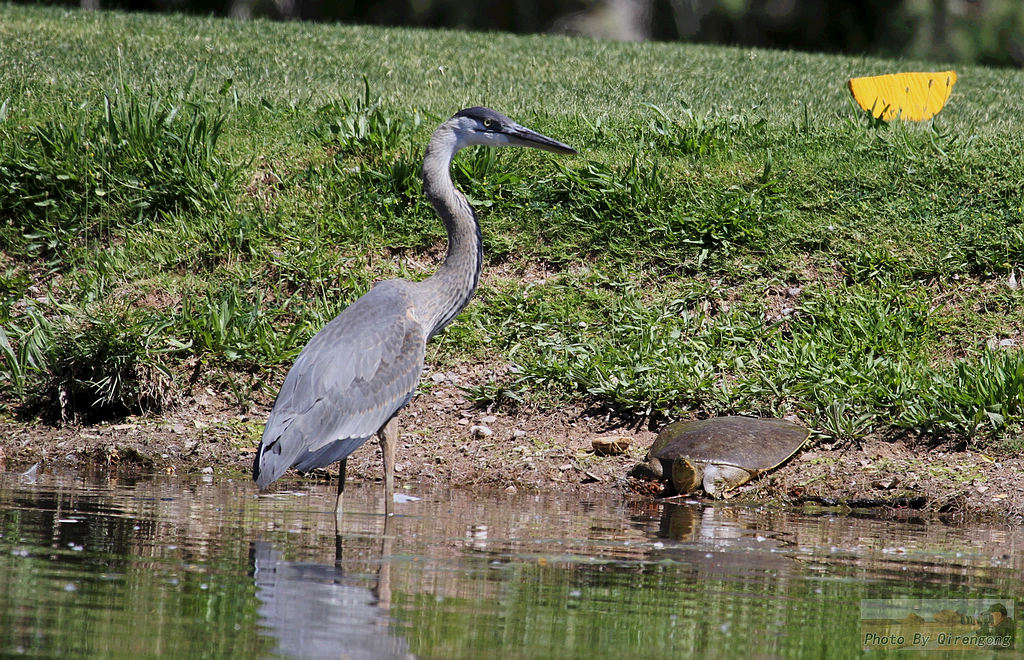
[189, 198]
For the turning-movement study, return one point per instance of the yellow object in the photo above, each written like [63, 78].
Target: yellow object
[914, 96]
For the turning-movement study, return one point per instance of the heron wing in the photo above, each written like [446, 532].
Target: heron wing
[348, 381]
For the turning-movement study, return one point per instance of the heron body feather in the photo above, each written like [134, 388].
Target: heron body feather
[347, 382]
[363, 366]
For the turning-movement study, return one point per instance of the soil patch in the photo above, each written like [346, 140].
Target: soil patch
[446, 439]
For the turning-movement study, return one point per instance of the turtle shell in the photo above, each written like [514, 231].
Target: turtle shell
[750, 443]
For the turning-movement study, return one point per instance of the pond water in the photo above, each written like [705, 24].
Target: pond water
[202, 567]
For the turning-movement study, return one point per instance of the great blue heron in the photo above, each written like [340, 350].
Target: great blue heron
[353, 377]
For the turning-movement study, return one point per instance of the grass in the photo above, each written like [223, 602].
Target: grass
[93, 167]
[735, 236]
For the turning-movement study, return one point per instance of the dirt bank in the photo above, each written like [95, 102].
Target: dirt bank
[446, 439]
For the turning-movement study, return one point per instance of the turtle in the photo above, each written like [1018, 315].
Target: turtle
[721, 452]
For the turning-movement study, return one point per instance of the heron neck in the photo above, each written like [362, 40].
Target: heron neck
[451, 287]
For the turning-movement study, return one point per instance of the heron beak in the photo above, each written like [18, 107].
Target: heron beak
[525, 137]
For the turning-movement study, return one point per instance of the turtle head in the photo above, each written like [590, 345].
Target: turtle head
[687, 475]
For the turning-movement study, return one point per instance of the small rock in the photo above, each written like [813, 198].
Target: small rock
[518, 433]
[565, 466]
[178, 428]
[611, 445]
[1006, 343]
[480, 431]
[207, 470]
[437, 377]
[463, 422]
[511, 490]
[488, 419]
[793, 292]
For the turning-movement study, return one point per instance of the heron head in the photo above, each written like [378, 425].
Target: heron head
[490, 128]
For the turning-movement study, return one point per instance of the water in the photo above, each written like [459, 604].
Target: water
[201, 567]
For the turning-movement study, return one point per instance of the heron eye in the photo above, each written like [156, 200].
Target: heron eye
[487, 123]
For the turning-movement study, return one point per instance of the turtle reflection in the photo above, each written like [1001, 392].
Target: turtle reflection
[719, 540]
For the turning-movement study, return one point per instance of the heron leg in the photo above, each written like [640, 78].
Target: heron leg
[388, 439]
[341, 491]
[384, 574]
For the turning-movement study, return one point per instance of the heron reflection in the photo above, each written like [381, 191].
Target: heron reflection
[316, 611]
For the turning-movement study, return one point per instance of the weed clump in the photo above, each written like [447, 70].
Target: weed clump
[231, 326]
[88, 367]
[691, 135]
[104, 369]
[90, 170]
[362, 126]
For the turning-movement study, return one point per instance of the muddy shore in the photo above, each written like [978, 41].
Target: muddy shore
[446, 439]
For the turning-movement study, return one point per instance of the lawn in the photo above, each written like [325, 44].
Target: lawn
[185, 201]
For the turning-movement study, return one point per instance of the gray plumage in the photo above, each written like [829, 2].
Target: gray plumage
[363, 366]
[347, 382]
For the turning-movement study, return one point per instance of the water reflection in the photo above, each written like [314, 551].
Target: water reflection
[716, 540]
[180, 567]
[316, 611]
